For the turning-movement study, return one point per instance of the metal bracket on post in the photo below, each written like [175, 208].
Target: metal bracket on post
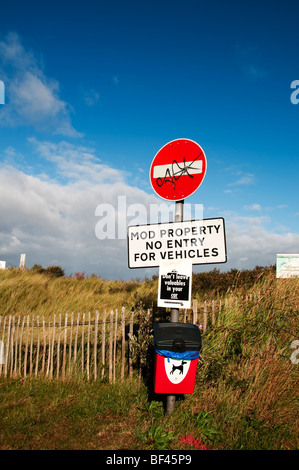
[174, 314]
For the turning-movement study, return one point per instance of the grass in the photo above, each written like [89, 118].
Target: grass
[39, 414]
[247, 379]
[26, 292]
[246, 391]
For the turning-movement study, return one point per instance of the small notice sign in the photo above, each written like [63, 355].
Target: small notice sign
[287, 265]
[175, 280]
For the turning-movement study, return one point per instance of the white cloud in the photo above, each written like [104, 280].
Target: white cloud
[32, 98]
[115, 80]
[254, 71]
[253, 207]
[249, 237]
[250, 58]
[13, 53]
[91, 97]
[76, 163]
[54, 222]
[246, 179]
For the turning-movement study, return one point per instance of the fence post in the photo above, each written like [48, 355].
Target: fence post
[219, 313]
[95, 344]
[38, 346]
[7, 347]
[131, 333]
[71, 340]
[184, 315]
[110, 346]
[114, 346]
[76, 339]
[26, 347]
[2, 355]
[64, 347]
[12, 345]
[16, 347]
[194, 311]
[2, 362]
[44, 338]
[88, 347]
[103, 344]
[82, 343]
[213, 312]
[52, 347]
[58, 348]
[123, 344]
[31, 347]
[205, 316]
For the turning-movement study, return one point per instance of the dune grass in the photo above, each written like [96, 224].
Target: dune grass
[26, 292]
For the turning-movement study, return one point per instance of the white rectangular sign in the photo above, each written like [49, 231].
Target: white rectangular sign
[287, 265]
[23, 260]
[175, 282]
[2, 264]
[196, 241]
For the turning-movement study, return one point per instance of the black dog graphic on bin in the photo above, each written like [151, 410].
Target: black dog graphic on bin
[180, 368]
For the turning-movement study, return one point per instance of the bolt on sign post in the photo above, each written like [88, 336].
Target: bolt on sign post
[176, 172]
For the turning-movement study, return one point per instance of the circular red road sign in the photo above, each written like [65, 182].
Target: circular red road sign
[178, 169]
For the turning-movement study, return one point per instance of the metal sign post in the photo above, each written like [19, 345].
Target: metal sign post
[179, 217]
[176, 172]
[174, 314]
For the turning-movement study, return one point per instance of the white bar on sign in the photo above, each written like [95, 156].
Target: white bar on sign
[192, 168]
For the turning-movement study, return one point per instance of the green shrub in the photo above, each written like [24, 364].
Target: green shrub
[37, 268]
[54, 271]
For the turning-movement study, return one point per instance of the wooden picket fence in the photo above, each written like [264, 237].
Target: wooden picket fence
[96, 347]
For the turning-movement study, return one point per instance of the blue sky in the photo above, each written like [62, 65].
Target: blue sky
[93, 90]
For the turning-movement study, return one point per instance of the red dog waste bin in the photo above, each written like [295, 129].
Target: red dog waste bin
[177, 348]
